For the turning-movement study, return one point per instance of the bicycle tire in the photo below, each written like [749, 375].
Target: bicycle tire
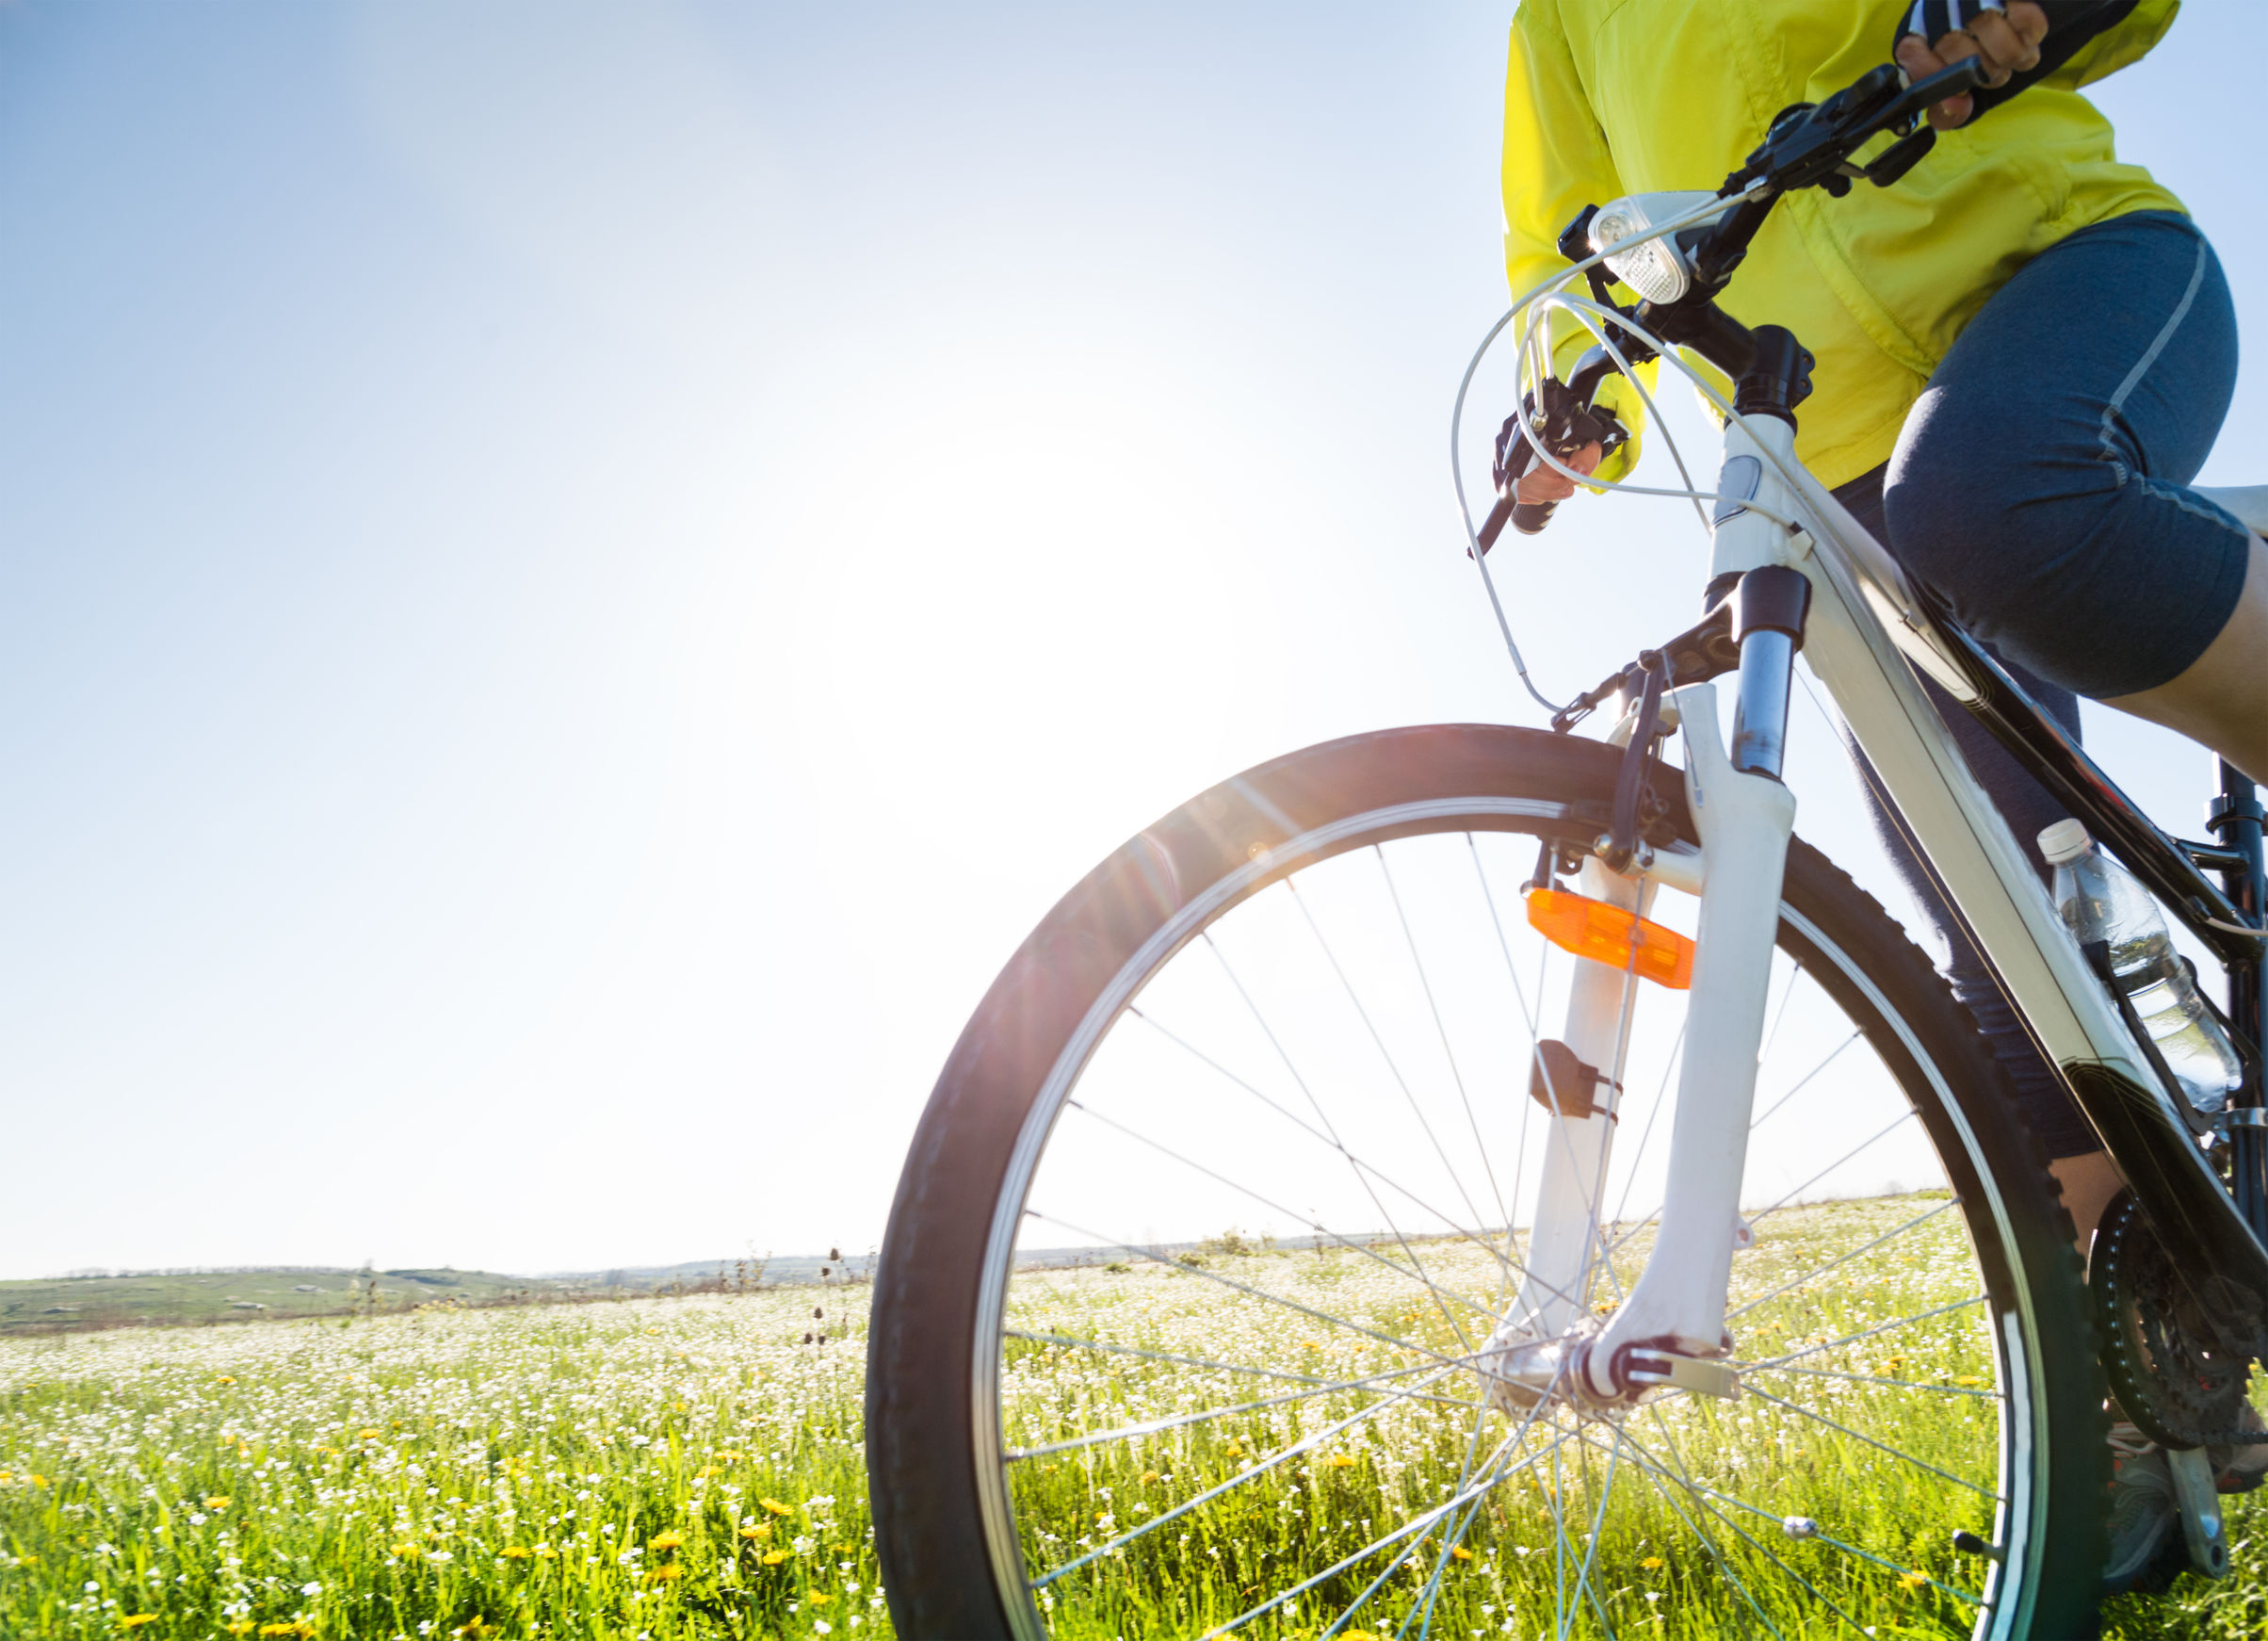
[953, 1565]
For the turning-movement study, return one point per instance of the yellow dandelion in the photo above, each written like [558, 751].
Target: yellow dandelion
[1149, 1475]
[368, 1435]
[773, 1557]
[1340, 1461]
[216, 1502]
[1459, 1553]
[225, 1379]
[756, 1530]
[37, 1480]
[819, 1597]
[1652, 1564]
[1913, 1578]
[405, 1549]
[668, 1573]
[241, 1627]
[776, 1507]
[732, 1457]
[135, 1620]
[1969, 1381]
[666, 1541]
[1236, 1450]
[545, 1552]
[517, 1552]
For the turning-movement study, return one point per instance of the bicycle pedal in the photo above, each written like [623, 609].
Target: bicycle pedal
[1650, 1366]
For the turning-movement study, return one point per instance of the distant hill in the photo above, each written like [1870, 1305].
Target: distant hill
[99, 1299]
[57, 1304]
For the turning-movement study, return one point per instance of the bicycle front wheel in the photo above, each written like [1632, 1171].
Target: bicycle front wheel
[1233, 1173]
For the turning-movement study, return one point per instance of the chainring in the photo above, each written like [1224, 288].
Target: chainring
[2178, 1352]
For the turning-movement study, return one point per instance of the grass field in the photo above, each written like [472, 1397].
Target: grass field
[683, 1468]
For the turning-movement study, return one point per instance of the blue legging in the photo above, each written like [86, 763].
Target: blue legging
[2041, 488]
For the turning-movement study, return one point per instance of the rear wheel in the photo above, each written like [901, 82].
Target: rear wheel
[1224, 1186]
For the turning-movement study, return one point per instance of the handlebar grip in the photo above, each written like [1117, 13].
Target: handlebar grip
[1528, 521]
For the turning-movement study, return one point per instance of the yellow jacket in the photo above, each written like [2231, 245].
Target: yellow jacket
[1608, 97]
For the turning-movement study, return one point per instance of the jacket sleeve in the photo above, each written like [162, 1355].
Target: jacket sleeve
[1555, 163]
[2087, 40]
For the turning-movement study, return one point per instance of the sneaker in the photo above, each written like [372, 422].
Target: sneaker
[2239, 1470]
[2144, 1515]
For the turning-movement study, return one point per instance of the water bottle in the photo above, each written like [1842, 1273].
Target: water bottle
[2100, 901]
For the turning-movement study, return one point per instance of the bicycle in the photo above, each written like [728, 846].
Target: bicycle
[1740, 1387]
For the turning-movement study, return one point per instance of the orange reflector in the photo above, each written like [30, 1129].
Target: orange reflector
[1611, 935]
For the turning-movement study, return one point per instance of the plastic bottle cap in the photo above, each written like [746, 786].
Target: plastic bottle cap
[2065, 840]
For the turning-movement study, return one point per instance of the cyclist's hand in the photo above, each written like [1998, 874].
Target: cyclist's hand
[2007, 41]
[1541, 484]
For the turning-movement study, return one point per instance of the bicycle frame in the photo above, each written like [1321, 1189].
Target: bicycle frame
[1867, 637]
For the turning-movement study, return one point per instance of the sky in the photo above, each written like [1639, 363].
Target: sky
[573, 577]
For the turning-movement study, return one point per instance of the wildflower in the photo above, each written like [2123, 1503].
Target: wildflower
[135, 1620]
[37, 1480]
[668, 1572]
[1459, 1553]
[1149, 1475]
[773, 1557]
[1913, 1578]
[545, 1552]
[819, 1597]
[666, 1541]
[216, 1502]
[239, 1626]
[225, 1379]
[404, 1549]
[776, 1507]
[517, 1552]
[1340, 1461]
[1236, 1450]
[1652, 1564]
[759, 1530]
[368, 1435]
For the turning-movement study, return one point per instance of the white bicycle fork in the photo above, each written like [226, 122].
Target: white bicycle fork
[1745, 815]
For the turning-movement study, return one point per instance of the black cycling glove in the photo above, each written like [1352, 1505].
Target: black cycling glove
[2070, 25]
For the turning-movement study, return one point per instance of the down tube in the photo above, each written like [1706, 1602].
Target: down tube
[1993, 881]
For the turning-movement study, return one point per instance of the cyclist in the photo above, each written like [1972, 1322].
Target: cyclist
[2025, 349]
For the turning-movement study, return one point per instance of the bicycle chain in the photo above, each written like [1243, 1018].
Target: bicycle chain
[2177, 1359]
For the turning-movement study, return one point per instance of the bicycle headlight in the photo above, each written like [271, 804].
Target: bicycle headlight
[1655, 268]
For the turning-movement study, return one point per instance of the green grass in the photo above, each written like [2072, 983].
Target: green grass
[691, 1468]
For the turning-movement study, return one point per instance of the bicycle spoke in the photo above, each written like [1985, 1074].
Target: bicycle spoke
[1181, 1420]
[1878, 1446]
[1440, 1295]
[1843, 1260]
[1755, 1219]
[1152, 1255]
[1434, 1007]
[1416, 1524]
[1822, 1536]
[1095, 1344]
[1804, 1082]
[1242, 1478]
[1221, 957]
[1863, 1333]
[1878, 1379]
[1393, 1069]
[1327, 1137]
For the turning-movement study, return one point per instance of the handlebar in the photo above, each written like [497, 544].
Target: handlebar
[1808, 145]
